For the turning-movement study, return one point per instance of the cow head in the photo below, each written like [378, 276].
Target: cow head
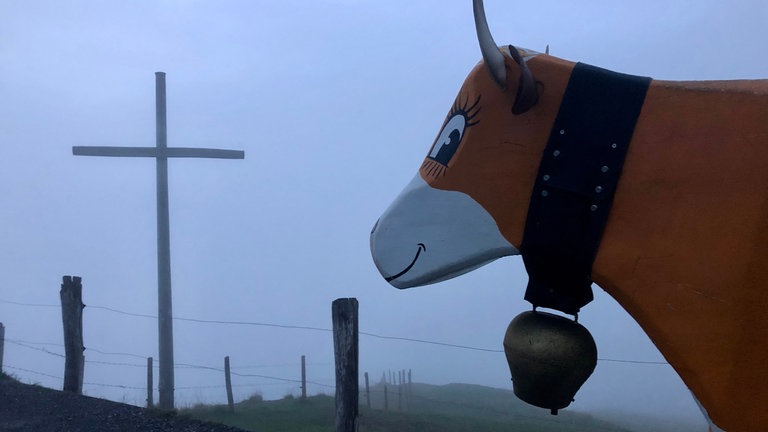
[467, 204]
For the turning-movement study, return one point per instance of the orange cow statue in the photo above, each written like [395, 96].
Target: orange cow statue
[655, 191]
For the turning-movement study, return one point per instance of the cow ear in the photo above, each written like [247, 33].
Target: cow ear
[527, 90]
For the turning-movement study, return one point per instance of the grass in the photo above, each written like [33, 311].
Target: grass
[315, 414]
[450, 408]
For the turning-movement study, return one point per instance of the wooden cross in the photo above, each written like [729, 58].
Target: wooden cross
[161, 152]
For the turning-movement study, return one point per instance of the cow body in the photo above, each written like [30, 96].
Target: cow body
[685, 247]
[685, 250]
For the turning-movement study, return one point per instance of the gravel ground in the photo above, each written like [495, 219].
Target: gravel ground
[30, 408]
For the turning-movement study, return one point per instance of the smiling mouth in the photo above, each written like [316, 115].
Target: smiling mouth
[421, 247]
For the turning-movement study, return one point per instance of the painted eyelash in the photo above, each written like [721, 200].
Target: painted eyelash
[433, 168]
[460, 107]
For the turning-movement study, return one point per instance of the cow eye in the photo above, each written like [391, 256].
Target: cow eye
[448, 139]
[452, 133]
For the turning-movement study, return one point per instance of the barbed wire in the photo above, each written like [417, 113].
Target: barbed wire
[29, 304]
[321, 329]
[116, 353]
[218, 369]
[176, 365]
[27, 344]
[280, 365]
[123, 386]
[134, 365]
[19, 341]
[32, 371]
[115, 386]
[22, 344]
[424, 341]
[62, 379]
[263, 324]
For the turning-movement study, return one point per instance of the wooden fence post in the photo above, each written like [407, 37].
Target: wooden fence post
[150, 390]
[303, 377]
[404, 389]
[345, 348]
[228, 382]
[2, 345]
[367, 392]
[71, 295]
[409, 389]
[386, 398]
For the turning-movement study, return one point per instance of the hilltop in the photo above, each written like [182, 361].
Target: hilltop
[32, 408]
[426, 408]
[447, 408]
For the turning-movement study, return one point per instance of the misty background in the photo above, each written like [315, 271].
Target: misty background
[335, 103]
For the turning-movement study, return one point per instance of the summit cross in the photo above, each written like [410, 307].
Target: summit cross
[161, 152]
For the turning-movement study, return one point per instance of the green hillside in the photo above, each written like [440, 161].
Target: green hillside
[449, 408]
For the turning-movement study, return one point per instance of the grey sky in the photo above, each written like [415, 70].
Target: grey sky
[335, 103]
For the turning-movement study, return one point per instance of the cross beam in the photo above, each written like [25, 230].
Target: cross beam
[161, 152]
[177, 152]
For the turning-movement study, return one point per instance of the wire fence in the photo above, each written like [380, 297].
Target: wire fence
[301, 327]
[245, 375]
[241, 371]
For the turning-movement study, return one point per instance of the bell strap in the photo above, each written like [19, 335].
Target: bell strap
[576, 182]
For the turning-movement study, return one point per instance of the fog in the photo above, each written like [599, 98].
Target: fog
[335, 103]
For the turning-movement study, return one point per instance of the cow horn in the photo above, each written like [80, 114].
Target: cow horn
[527, 91]
[494, 59]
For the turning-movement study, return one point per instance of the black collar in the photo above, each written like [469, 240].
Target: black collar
[577, 178]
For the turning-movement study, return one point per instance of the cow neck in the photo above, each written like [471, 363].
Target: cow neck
[575, 185]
